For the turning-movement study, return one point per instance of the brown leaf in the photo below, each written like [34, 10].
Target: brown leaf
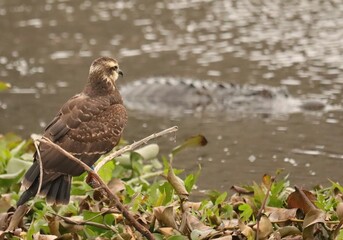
[167, 231]
[198, 229]
[280, 214]
[301, 199]
[3, 221]
[265, 227]
[17, 217]
[191, 205]
[39, 236]
[247, 231]
[116, 185]
[313, 217]
[5, 202]
[339, 210]
[194, 223]
[241, 190]
[166, 216]
[288, 231]
[267, 180]
[177, 184]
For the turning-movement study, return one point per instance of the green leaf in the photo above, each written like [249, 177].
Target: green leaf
[195, 141]
[92, 216]
[15, 163]
[4, 86]
[9, 179]
[221, 198]
[106, 171]
[35, 227]
[16, 151]
[246, 211]
[177, 237]
[148, 152]
[189, 182]
[109, 219]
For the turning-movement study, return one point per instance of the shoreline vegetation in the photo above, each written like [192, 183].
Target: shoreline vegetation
[134, 192]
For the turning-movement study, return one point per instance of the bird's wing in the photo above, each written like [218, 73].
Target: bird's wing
[85, 127]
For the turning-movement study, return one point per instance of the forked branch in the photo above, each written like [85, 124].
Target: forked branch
[101, 183]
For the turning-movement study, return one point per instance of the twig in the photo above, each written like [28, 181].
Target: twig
[263, 206]
[35, 142]
[110, 195]
[145, 176]
[133, 146]
[75, 222]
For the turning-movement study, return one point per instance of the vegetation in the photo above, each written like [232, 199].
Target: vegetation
[154, 193]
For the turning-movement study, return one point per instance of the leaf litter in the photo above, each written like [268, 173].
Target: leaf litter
[158, 197]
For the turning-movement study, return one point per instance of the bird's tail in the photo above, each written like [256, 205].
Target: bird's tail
[56, 191]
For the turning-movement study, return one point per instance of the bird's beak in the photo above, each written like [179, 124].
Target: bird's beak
[121, 73]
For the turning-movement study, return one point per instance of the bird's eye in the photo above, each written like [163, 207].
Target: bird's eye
[115, 68]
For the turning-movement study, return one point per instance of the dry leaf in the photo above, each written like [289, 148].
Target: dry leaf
[177, 184]
[265, 227]
[339, 210]
[301, 199]
[17, 217]
[280, 214]
[166, 216]
[247, 231]
[116, 185]
[313, 217]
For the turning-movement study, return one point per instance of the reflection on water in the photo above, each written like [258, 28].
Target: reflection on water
[47, 47]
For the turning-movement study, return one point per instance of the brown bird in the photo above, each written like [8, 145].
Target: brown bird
[88, 125]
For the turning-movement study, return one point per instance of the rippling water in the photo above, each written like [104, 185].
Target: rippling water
[47, 46]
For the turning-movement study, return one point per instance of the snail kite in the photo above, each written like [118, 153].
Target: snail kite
[88, 125]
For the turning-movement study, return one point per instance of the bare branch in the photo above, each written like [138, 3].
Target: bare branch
[133, 146]
[101, 183]
[35, 142]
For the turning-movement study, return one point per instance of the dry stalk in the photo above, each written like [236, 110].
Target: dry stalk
[133, 146]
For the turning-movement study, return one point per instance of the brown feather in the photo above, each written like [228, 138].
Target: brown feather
[88, 125]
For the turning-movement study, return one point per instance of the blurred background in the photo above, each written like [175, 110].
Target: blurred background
[47, 47]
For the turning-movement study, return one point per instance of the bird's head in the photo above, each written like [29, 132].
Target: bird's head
[104, 72]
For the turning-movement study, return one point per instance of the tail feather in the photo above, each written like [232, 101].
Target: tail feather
[31, 175]
[56, 191]
[53, 191]
[63, 194]
[29, 193]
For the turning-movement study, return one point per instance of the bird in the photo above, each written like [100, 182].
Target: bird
[88, 125]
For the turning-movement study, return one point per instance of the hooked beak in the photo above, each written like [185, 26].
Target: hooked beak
[121, 73]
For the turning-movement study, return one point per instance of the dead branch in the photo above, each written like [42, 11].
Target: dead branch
[133, 146]
[101, 183]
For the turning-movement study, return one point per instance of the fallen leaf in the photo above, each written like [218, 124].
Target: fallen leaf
[116, 185]
[288, 231]
[39, 236]
[247, 231]
[313, 217]
[166, 216]
[241, 190]
[301, 199]
[167, 231]
[265, 227]
[280, 214]
[17, 217]
[339, 210]
[177, 184]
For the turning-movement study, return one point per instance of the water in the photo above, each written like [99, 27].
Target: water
[47, 46]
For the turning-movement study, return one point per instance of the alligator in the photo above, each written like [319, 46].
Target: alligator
[179, 96]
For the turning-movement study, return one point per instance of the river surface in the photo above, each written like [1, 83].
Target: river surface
[46, 48]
